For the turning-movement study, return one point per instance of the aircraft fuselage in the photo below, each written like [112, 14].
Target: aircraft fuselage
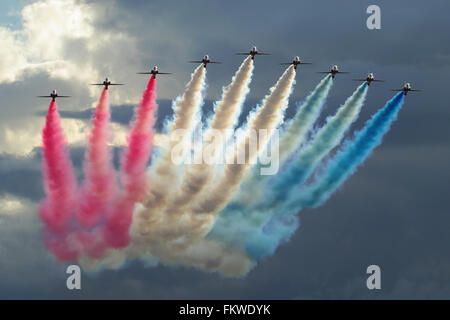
[205, 61]
[295, 63]
[106, 84]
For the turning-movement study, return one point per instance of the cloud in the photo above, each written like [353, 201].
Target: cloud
[63, 44]
[59, 38]
[11, 205]
[40, 45]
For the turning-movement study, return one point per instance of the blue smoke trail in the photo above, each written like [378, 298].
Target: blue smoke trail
[337, 170]
[328, 137]
[296, 130]
[352, 154]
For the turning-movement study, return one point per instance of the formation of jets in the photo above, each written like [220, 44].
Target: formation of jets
[253, 52]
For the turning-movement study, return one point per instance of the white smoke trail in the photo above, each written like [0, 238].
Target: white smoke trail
[179, 238]
[186, 249]
[186, 109]
[268, 116]
[225, 118]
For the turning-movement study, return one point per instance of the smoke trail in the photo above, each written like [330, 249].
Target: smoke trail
[99, 188]
[351, 155]
[226, 115]
[230, 242]
[293, 137]
[140, 143]
[325, 140]
[299, 126]
[178, 239]
[58, 209]
[103, 213]
[337, 170]
[186, 108]
[133, 173]
[228, 109]
[201, 253]
[236, 224]
[267, 117]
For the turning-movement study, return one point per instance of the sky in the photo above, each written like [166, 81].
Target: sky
[394, 212]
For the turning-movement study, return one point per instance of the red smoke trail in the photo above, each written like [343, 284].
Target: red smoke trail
[58, 209]
[99, 188]
[133, 173]
[103, 212]
[140, 143]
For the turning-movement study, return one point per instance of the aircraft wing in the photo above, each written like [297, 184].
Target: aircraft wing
[286, 63]
[263, 54]
[360, 80]
[195, 61]
[396, 89]
[116, 84]
[416, 90]
[216, 62]
[143, 73]
[63, 96]
[342, 72]
[379, 80]
[43, 96]
[305, 63]
[164, 73]
[324, 72]
[96, 84]
[243, 54]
